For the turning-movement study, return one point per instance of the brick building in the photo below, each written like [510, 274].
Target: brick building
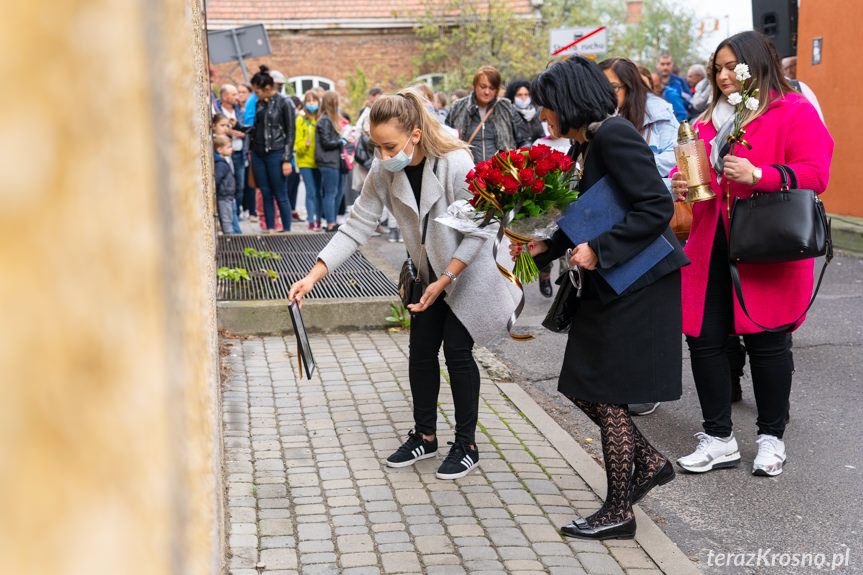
[322, 43]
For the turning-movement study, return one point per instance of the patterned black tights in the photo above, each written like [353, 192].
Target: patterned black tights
[630, 460]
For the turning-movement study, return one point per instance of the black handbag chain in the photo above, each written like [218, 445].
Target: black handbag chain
[425, 229]
[411, 289]
[789, 181]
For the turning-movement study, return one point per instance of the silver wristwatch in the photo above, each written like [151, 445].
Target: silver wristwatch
[450, 275]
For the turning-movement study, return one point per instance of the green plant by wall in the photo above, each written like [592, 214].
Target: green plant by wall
[235, 274]
[400, 316]
[261, 255]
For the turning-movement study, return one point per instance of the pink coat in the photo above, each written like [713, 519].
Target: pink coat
[789, 132]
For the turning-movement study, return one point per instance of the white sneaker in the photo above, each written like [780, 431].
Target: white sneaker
[711, 453]
[771, 456]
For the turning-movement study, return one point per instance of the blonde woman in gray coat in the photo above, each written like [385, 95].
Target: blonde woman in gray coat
[419, 170]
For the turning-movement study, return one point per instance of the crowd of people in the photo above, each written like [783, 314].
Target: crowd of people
[408, 155]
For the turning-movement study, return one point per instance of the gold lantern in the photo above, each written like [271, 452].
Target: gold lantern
[693, 164]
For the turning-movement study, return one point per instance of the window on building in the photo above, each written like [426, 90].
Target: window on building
[302, 84]
[436, 81]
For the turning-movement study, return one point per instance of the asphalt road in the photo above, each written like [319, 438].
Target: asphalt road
[815, 506]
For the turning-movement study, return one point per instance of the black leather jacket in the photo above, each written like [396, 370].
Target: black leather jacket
[275, 125]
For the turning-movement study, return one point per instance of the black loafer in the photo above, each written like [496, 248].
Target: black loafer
[580, 529]
[545, 287]
[663, 476]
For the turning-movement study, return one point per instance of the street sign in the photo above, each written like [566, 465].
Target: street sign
[578, 41]
[238, 44]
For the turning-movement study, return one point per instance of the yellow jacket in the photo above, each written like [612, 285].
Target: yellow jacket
[305, 154]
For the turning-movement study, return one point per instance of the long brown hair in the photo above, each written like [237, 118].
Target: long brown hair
[408, 109]
[330, 107]
[754, 50]
[635, 101]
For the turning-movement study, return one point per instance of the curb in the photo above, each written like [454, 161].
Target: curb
[847, 234]
[649, 536]
[271, 317]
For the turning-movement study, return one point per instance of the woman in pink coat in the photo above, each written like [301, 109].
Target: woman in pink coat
[783, 129]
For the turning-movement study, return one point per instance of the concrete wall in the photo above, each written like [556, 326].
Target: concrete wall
[109, 446]
[838, 88]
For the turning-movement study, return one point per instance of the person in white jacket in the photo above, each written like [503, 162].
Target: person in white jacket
[418, 173]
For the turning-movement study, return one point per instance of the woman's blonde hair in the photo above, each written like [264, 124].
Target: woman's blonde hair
[756, 51]
[330, 107]
[408, 110]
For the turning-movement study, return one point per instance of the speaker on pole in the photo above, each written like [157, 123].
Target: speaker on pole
[777, 19]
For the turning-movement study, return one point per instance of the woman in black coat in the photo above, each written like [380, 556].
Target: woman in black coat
[622, 348]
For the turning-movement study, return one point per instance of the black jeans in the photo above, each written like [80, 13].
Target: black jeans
[436, 325]
[769, 357]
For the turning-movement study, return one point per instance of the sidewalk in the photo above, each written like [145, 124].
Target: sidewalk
[308, 492]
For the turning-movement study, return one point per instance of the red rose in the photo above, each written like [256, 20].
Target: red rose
[538, 186]
[539, 152]
[544, 166]
[471, 175]
[566, 163]
[517, 158]
[494, 177]
[510, 184]
[526, 176]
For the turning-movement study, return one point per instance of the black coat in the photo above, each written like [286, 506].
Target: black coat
[275, 127]
[625, 348]
[328, 143]
[226, 185]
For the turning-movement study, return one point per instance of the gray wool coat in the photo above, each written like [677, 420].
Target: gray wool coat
[482, 299]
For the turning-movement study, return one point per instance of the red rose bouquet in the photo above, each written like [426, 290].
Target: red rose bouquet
[524, 190]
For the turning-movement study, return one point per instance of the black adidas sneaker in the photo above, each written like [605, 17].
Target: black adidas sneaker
[460, 461]
[412, 450]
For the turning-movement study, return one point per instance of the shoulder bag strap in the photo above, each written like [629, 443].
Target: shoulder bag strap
[738, 290]
[649, 130]
[789, 178]
[482, 121]
[425, 227]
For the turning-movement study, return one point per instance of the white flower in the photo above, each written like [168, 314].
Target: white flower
[735, 98]
[751, 103]
[742, 71]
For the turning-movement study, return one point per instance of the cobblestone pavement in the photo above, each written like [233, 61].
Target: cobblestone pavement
[308, 492]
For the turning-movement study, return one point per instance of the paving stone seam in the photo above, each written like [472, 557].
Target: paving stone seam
[267, 394]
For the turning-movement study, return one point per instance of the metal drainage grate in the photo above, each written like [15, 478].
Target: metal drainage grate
[355, 278]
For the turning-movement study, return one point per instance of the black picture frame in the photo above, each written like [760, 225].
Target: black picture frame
[304, 349]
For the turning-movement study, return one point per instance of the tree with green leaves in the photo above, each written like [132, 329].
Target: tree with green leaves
[665, 27]
[459, 37]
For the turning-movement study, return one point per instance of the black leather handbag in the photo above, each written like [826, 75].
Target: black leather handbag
[364, 153]
[776, 227]
[411, 287]
[559, 316]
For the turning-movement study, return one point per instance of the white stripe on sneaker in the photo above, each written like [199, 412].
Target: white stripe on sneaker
[467, 462]
[418, 451]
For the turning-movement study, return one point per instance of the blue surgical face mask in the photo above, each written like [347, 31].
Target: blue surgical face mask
[400, 161]
[522, 103]
[312, 108]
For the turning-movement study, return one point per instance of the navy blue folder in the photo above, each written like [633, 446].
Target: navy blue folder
[596, 211]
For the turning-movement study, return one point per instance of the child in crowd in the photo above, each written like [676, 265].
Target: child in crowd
[222, 127]
[225, 183]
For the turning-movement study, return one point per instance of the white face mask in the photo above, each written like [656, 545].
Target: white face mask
[522, 103]
[398, 162]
